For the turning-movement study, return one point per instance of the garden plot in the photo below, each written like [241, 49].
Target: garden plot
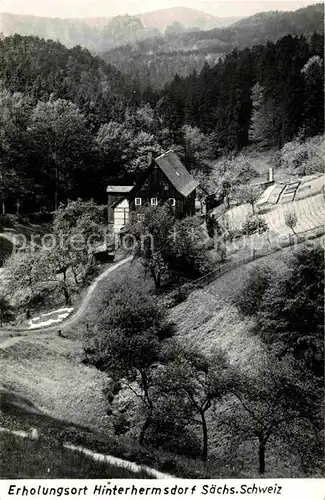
[309, 211]
[310, 186]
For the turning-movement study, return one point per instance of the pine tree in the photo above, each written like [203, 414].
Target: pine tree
[262, 128]
[314, 96]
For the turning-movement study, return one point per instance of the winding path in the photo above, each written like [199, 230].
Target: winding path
[90, 292]
[73, 318]
[99, 457]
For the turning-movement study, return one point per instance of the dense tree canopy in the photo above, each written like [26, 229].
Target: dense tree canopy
[263, 94]
[71, 122]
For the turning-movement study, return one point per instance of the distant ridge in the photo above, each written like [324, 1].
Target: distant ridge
[195, 30]
[158, 19]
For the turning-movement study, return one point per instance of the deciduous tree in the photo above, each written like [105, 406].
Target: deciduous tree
[62, 144]
[197, 381]
[126, 343]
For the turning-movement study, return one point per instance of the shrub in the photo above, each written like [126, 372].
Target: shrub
[250, 296]
[121, 424]
[303, 157]
[254, 224]
[188, 253]
[180, 295]
[176, 297]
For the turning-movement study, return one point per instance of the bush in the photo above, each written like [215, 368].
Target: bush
[303, 157]
[36, 300]
[254, 224]
[121, 424]
[188, 253]
[176, 297]
[180, 295]
[250, 296]
[176, 439]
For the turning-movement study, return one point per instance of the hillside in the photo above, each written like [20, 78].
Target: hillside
[162, 18]
[69, 32]
[103, 129]
[157, 45]
[41, 68]
[51, 389]
[160, 58]
[188, 25]
[273, 25]
[163, 358]
[93, 33]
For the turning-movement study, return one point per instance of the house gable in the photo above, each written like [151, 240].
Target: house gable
[176, 173]
[165, 180]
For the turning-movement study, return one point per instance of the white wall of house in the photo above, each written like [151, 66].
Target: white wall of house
[121, 215]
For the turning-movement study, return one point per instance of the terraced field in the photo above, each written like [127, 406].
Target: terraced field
[309, 211]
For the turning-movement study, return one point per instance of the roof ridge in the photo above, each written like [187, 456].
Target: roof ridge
[171, 165]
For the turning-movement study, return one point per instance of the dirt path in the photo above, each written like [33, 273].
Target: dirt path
[100, 457]
[9, 334]
[90, 292]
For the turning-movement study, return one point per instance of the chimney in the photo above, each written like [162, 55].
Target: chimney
[271, 174]
[149, 158]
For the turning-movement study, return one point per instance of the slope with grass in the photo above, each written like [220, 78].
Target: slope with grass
[209, 319]
[48, 371]
[55, 392]
[14, 231]
[46, 459]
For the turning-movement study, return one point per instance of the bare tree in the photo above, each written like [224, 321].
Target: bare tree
[291, 221]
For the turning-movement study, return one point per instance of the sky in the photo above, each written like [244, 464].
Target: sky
[98, 8]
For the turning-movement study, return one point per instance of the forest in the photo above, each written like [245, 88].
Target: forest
[157, 364]
[70, 121]
[156, 59]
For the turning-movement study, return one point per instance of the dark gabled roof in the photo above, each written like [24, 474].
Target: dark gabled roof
[176, 173]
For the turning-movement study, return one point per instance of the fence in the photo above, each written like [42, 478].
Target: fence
[288, 241]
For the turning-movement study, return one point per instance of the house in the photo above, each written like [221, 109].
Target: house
[165, 181]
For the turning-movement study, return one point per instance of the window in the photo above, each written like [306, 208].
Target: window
[154, 202]
[166, 186]
[172, 202]
[138, 202]
[140, 217]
